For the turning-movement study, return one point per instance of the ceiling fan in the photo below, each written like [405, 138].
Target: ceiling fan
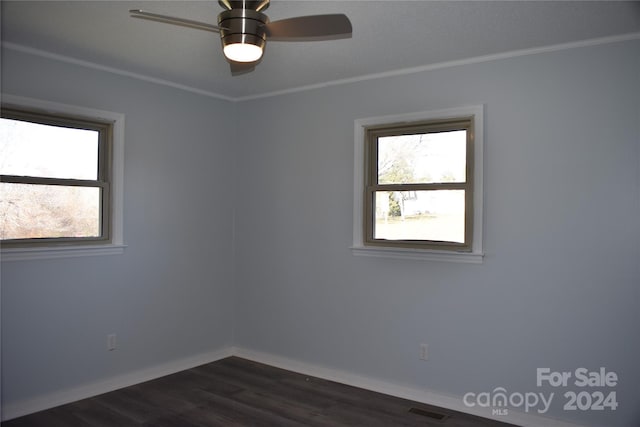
[244, 30]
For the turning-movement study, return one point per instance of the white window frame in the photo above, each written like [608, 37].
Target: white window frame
[116, 245]
[359, 248]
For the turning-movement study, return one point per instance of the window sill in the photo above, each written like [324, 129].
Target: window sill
[28, 254]
[418, 254]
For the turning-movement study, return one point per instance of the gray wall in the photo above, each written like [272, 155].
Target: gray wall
[168, 296]
[559, 286]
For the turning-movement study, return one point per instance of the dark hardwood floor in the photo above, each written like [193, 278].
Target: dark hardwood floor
[237, 392]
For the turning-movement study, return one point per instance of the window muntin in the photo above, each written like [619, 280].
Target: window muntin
[419, 185]
[55, 179]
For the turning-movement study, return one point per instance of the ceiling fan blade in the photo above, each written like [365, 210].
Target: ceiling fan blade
[141, 14]
[239, 68]
[314, 27]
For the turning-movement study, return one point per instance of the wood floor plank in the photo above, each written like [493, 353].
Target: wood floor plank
[56, 417]
[92, 414]
[133, 404]
[297, 411]
[351, 396]
[235, 392]
[246, 413]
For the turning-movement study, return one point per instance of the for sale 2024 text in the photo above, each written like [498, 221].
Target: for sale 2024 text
[583, 400]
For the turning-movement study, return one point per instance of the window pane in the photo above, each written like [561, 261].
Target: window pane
[422, 158]
[31, 149]
[39, 211]
[436, 215]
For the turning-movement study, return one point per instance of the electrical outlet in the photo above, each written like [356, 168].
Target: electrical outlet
[424, 352]
[111, 342]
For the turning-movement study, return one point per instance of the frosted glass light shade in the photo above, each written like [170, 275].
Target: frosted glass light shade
[242, 52]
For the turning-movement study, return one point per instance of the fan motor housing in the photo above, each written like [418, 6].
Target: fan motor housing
[258, 5]
[243, 26]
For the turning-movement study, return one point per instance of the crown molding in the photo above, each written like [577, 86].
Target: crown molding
[450, 64]
[101, 67]
[374, 76]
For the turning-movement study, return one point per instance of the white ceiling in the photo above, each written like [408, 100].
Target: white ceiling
[387, 36]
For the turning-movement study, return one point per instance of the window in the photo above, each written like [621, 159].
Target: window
[55, 178]
[60, 180]
[420, 188]
[419, 185]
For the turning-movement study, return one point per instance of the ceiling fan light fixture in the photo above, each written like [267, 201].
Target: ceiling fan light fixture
[243, 36]
[242, 52]
[244, 29]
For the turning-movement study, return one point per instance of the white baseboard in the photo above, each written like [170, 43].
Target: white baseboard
[19, 408]
[419, 395]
